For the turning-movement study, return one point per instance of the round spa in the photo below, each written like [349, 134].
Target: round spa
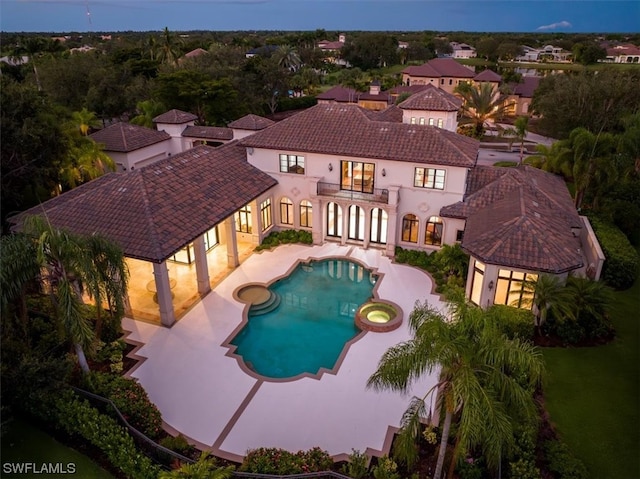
[379, 316]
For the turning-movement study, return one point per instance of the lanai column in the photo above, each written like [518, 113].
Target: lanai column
[163, 291]
[232, 243]
[317, 219]
[345, 224]
[392, 220]
[367, 227]
[202, 267]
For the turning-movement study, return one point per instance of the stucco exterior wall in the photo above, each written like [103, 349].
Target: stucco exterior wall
[449, 118]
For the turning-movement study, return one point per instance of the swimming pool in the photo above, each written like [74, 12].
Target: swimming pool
[312, 321]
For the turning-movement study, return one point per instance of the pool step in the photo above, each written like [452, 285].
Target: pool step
[266, 306]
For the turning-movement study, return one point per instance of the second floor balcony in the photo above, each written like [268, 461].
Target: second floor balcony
[334, 190]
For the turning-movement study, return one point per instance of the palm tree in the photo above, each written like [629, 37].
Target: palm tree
[66, 265]
[204, 468]
[588, 298]
[147, 111]
[545, 294]
[287, 57]
[477, 386]
[86, 161]
[168, 48]
[85, 120]
[518, 132]
[552, 158]
[482, 103]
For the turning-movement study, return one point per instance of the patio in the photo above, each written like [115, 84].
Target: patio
[205, 395]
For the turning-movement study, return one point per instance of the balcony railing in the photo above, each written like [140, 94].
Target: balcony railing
[334, 190]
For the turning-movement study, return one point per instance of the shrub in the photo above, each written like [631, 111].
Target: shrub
[385, 469]
[562, 463]
[356, 468]
[280, 461]
[296, 103]
[515, 322]
[130, 398]
[178, 444]
[77, 417]
[620, 268]
[522, 464]
[285, 237]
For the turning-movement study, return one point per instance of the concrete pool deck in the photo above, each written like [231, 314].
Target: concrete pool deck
[205, 394]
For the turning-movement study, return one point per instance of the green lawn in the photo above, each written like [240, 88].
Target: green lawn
[23, 443]
[593, 395]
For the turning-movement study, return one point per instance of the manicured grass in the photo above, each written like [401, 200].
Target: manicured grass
[24, 443]
[593, 395]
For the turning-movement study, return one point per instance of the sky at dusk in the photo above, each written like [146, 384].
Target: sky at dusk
[612, 16]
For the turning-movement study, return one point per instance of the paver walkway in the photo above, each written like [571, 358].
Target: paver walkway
[206, 396]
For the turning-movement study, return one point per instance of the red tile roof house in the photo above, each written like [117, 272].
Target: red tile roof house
[445, 73]
[347, 175]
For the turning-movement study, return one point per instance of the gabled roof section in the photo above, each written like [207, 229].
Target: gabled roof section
[520, 217]
[487, 76]
[124, 137]
[196, 53]
[440, 67]
[432, 98]
[345, 130]
[175, 117]
[144, 210]
[527, 88]
[251, 122]
[391, 114]
[208, 132]
[340, 94]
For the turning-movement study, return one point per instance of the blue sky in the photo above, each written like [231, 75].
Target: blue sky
[572, 16]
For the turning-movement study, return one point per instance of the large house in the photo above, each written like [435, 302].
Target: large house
[345, 174]
[445, 73]
[624, 53]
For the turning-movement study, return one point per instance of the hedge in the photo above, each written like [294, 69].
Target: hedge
[77, 417]
[621, 265]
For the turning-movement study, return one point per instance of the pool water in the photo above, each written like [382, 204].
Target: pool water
[314, 320]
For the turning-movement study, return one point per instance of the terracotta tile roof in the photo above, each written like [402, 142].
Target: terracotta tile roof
[251, 122]
[345, 130]
[398, 90]
[526, 88]
[627, 49]
[125, 137]
[391, 114]
[196, 53]
[340, 94]
[175, 117]
[432, 98]
[440, 67]
[519, 217]
[487, 76]
[144, 210]
[382, 96]
[208, 132]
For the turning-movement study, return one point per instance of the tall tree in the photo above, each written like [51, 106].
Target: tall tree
[486, 381]
[482, 103]
[371, 50]
[518, 132]
[168, 48]
[85, 120]
[69, 265]
[287, 57]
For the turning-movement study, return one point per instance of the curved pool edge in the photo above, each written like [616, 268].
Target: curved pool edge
[245, 320]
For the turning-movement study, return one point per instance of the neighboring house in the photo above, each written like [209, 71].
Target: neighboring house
[445, 73]
[329, 46]
[521, 96]
[432, 106]
[627, 53]
[132, 146]
[488, 76]
[375, 98]
[82, 49]
[338, 94]
[546, 53]
[265, 50]
[462, 50]
[345, 174]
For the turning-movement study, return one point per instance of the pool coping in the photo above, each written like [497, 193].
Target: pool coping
[245, 320]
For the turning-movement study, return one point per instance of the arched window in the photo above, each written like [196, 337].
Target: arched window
[356, 223]
[334, 220]
[433, 233]
[410, 225]
[286, 211]
[379, 220]
[306, 214]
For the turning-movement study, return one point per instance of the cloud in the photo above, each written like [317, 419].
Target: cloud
[553, 26]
